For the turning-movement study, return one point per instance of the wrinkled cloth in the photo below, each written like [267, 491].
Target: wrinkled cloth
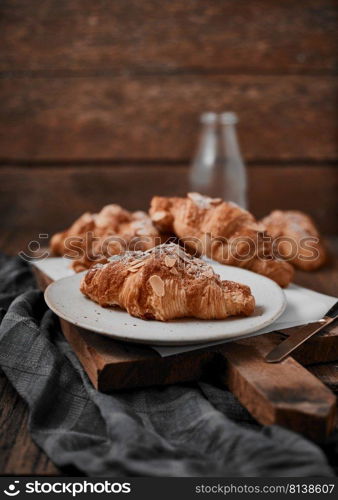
[195, 429]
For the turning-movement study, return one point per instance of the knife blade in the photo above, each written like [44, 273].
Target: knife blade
[299, 335]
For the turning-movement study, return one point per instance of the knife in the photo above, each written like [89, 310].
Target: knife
[299, 334]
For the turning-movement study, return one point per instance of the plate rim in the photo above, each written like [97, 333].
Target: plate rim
[249, 331]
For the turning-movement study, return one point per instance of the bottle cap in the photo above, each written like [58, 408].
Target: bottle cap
[208, 117]
[228, 118]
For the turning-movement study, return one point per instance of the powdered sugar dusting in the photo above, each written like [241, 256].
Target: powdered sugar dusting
[173, 256]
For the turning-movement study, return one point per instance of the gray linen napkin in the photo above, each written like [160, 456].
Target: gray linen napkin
[182, 430]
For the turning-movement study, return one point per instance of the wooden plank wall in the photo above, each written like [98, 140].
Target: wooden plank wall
[100, 102]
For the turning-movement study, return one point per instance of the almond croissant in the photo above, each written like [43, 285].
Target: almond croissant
[223, 231]
[296, 238]
[165, 283]
[107, 233]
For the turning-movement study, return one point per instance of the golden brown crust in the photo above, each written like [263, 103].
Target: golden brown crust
[165, 283]
[112, 231]
[81, 226]
[299, 240]
[222, 231]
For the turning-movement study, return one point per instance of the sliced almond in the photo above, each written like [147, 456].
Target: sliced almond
[157, 285]
[139, 264]
[170, 261]
[204, 201]
[216, 201]
[208, 273]
[160, 215]
[183, 255]
[173, 270]
[135, 267]
[197, 198]
[133, 262]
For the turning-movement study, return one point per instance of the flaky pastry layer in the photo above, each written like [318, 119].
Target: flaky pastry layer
[165, 283]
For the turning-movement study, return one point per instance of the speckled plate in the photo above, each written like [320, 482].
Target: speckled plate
[66, 300]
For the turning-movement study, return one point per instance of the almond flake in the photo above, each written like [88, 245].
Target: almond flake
[173, 270]
[157, 285]
[133, 262]
[208, 273]
[216, 201]
[157, 216]
[139, 264]
[203, 202]
[183, 255]
[170, 261]
[197, 198]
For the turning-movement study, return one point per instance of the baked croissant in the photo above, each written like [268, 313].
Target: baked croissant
[165, 283]
[111, 231]
[223, 231]
[296, 238]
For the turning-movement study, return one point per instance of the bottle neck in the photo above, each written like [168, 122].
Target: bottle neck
[208, 144]
[230, 142]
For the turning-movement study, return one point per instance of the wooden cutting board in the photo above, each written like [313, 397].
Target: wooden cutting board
[286, 393]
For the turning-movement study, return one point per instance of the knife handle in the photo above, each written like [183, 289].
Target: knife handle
[333, 312]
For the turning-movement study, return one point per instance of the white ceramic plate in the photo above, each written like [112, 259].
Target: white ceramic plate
[66, 300]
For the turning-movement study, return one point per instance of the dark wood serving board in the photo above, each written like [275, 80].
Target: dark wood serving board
[286, 393]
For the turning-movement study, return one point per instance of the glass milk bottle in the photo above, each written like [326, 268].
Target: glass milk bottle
[234, 172]
[204, 170]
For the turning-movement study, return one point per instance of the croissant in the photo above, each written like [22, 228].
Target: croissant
[80, 227]
[297, 238]
[222, 231]
[95, 236]
[165, 283]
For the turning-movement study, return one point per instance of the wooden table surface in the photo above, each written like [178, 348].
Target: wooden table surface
[19, 455]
